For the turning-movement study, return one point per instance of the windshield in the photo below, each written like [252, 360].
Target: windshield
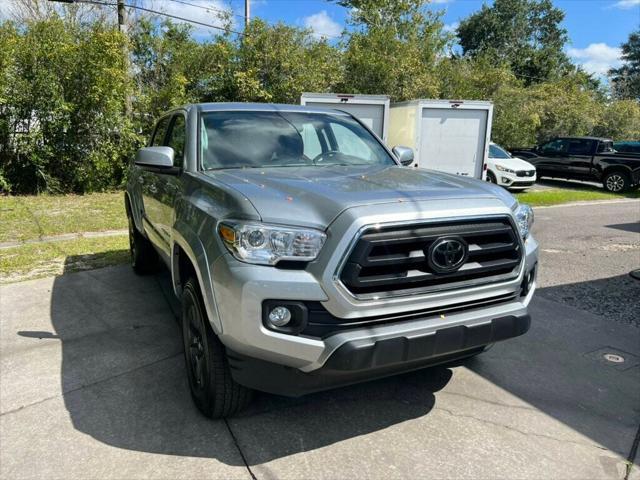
[251, 139]
[498, 152]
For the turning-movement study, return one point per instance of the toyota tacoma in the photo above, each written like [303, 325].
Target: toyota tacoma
[307, 256]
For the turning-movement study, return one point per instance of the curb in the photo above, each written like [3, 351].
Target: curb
[589, 202]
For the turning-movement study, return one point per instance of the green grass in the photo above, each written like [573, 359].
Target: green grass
[557, 196]
[46, 259]
[33, 217]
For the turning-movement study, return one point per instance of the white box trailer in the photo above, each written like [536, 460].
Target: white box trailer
[447, 135]
[372, 110]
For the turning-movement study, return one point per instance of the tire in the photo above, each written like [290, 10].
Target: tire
[144, 258]
[491, 178]
[616, 182]
[213, 390]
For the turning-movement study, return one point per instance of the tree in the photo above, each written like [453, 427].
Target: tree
[277, 63]
[620, 120]
[62, 99]
[524, 34]
[625, 81]
[393, 49]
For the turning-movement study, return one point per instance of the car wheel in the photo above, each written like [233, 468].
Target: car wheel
[213, 390]
[144, 258]
[491, 178]
[616, 182]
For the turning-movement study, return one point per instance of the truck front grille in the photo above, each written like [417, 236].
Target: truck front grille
[393, 260]
[525, 173]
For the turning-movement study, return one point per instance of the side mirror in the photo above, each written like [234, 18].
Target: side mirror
[403, 154]
[156, 159]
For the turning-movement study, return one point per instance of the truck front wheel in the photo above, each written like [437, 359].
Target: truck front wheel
[616, 182]
[213, 390]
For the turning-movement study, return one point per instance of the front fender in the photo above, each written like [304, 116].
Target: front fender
[190, 243]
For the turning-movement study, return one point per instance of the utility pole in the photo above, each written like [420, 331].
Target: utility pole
[122, 26]
[247, 13]
[122, 17]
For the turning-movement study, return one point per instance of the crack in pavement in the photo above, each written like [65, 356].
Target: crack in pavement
[527, 434]
[91, 384]
[237, 444]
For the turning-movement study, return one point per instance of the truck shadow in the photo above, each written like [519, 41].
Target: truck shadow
[124, 382]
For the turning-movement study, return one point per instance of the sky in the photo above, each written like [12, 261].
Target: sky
[596, 28]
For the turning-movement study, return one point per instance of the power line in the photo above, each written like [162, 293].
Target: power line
[156, 12]
[208, 9]
[176, 17]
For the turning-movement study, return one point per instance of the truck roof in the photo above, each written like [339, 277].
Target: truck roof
[259, 107]
[576, 137]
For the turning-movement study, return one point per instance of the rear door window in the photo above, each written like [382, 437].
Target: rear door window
[160, 132]
[176, 139]
[580, 147]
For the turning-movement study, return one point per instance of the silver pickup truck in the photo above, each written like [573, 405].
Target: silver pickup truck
[306, 256]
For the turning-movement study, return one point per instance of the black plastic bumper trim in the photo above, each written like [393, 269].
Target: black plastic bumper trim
[363, 360]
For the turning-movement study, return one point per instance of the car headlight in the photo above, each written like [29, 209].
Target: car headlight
[504, 169]
[524, 219]
[268, 244]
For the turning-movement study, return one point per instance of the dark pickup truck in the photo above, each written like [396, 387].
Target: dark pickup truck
[585, 158]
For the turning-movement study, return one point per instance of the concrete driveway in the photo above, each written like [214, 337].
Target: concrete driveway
[93, 385]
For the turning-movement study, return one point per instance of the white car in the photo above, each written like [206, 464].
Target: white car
[507, 171]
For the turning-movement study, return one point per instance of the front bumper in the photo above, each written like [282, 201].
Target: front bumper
[511, 180]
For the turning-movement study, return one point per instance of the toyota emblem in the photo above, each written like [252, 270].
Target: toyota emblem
[447, 254]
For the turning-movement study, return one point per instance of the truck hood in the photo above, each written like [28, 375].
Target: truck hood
[315, 196]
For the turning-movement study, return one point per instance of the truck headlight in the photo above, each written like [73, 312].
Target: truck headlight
[268, 244]
[504, 169]
[524, 219]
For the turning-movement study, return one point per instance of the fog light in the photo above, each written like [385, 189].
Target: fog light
[506, 180]
[280, 316]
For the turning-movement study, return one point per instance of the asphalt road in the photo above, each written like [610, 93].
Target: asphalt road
[93, 385]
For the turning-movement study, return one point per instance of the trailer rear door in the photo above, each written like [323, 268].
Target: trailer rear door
[453, 140]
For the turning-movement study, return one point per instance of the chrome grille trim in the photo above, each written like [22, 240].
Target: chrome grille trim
[460, 285]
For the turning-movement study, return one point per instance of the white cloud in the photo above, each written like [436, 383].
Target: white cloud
[626, 4]
[322, 25]
[597, 58]
[451, 27]
[442, 1]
